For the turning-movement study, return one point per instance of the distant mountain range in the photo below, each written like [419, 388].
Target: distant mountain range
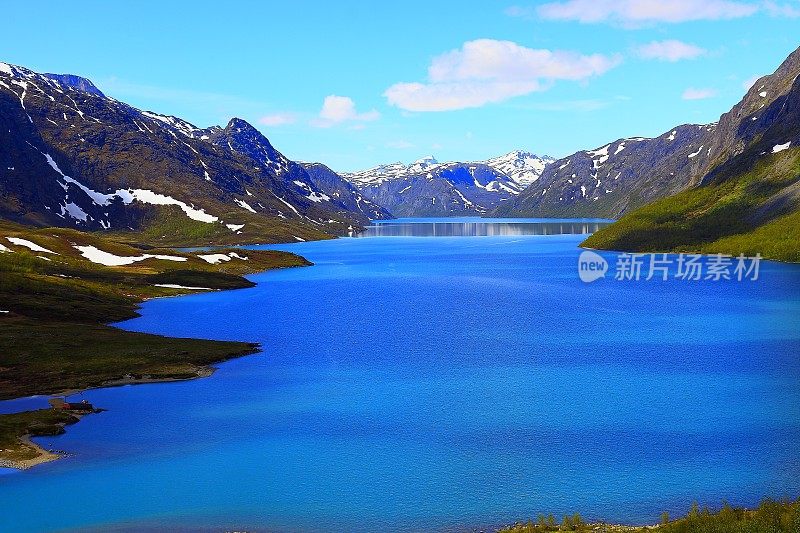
[427, 188]
[71, 156]
[616, 177]
[625, 174]
[740, 189]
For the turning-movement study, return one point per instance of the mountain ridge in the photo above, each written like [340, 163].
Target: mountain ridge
[747, 198]
[626, 174]
[71, 156]
[427, 187]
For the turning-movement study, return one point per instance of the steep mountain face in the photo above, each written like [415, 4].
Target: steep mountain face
[343, 192]
[70, 156]
[328, 193]
[629, 173]
[427, 188]
[75, 82]
[611, 179]
[522, 167]
[747, 198]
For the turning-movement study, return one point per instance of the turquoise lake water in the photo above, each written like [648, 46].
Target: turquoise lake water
[440, 383]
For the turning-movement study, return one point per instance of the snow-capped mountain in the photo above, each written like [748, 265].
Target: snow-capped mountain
[71, 156]
[424, 164]
[427, 187]
[330, 191]
[522, 167]
[739, 182]
[608, 180]
[626, 174]
[342, 192]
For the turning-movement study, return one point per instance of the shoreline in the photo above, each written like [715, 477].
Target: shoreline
[42, 456]
[109, 355]
[45, 456]
[704, 254]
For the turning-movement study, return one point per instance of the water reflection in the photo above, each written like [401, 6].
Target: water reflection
[480, 227]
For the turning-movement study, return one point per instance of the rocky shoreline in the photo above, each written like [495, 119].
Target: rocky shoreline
[46, 456]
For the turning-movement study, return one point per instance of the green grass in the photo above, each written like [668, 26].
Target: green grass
[170, 227]
[64, 356]
[770, 517]
[720, 217]
[41, 423]
[778, 239]
[54, 337]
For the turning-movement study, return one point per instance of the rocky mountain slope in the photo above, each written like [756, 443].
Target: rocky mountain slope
[427, 188]
[612, 179]
[746, 198]
[620, 176]
[343, 192]
[71, 156]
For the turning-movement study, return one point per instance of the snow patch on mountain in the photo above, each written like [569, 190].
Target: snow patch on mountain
[30, 245]
[101, 257]
[522, 167]
[780, 147]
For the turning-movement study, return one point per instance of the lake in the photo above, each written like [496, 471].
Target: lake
[480, 227]
[441, 383]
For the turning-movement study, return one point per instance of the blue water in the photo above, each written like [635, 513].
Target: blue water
[441, 384]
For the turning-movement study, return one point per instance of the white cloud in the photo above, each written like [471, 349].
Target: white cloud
[520, 12]
[486, 70]
[278, 119]
[638, 12]
[451, 96]
[698, 94]
[400, 145]
[669, 50]
[338, 109]
[782, 10]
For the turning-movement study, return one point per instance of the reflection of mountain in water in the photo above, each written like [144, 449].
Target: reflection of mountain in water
[479, 228]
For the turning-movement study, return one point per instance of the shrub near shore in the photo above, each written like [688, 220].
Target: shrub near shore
[770, 517]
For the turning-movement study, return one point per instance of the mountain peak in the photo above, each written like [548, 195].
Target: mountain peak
[423, 164]
[75, 82]
[427, 160]
[240, 125]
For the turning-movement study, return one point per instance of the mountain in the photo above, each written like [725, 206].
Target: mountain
[329, 191]
[616, 177]
[625, 174]
[522, 167]
[343, 192]
[71, 156]
[745, 198]
[427, 188]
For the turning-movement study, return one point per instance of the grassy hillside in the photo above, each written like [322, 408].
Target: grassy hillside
[168, 226]
[750, 207]
[55, 305]
[769, 517]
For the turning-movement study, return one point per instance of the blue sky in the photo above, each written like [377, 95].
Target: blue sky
[354, 84]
